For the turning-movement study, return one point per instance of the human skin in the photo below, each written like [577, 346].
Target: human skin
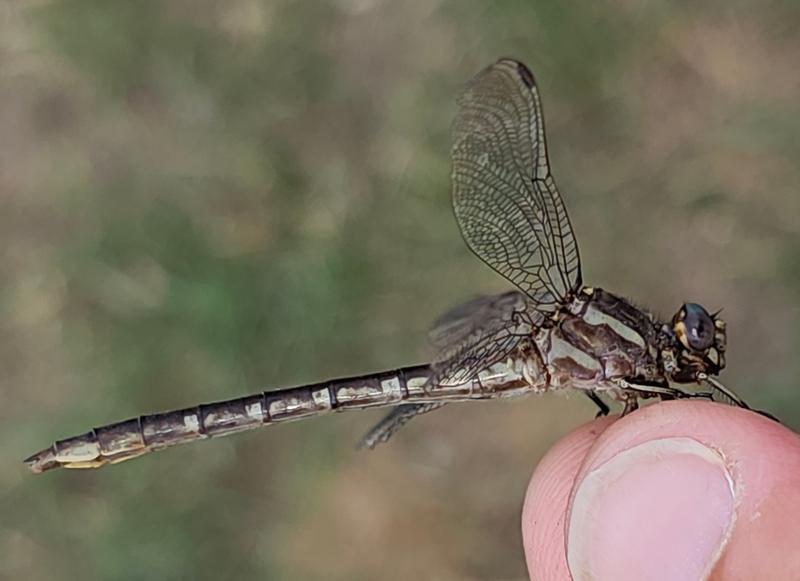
[677, 490]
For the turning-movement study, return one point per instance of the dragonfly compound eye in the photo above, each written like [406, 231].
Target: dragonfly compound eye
[695, 327]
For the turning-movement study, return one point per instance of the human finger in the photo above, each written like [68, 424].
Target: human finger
[681, 490]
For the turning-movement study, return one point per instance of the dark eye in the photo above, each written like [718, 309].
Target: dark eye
[699, 327]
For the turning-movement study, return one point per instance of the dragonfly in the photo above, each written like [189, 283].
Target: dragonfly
[550, 333]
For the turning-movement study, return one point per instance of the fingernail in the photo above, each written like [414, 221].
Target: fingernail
[662, 510]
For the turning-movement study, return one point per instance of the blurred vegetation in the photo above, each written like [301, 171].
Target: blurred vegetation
[203, 199]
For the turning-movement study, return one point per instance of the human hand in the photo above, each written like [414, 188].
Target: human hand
[680, 490]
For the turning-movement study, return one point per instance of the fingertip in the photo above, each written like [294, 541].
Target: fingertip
[758, 461]
[690, 450]
[543, 514]
[667, 492]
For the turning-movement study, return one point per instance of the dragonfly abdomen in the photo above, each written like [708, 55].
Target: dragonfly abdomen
[135, 437]
[128, 439]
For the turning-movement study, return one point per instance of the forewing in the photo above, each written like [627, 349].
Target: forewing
[480, 333]
[505, 199]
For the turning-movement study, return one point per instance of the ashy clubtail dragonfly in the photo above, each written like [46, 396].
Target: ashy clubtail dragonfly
[549, 334]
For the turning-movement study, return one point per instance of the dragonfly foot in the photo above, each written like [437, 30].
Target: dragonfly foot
[631, 405]
[603, 409]
[767, 415]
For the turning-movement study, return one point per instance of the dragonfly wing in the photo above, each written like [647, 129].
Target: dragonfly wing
[393, 421]
[479, 333]
[480, 315]
[505, 198]
[469, 338]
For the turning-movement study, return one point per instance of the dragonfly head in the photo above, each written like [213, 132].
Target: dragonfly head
[699, 344]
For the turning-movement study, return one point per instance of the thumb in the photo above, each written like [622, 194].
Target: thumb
[681, 490]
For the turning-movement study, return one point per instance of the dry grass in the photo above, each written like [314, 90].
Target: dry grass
[201, 199]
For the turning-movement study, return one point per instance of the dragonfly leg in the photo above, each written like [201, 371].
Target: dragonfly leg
[631, 405]
[709, 395]
[767, 415]
[393, 421]
[634, 392]
[603, 409]
[716, 385]
[653, 390]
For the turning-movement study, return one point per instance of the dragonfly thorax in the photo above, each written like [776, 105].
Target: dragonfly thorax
[599, 338]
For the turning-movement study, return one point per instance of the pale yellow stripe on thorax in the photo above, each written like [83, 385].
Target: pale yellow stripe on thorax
[562, 349]
[595, 317]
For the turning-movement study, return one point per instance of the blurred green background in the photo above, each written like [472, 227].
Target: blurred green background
[200, 199]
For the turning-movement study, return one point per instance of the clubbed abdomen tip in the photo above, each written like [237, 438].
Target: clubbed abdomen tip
[42, 461]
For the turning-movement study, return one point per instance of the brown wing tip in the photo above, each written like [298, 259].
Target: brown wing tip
[42, 461]
[523, 71]
[526, 75]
